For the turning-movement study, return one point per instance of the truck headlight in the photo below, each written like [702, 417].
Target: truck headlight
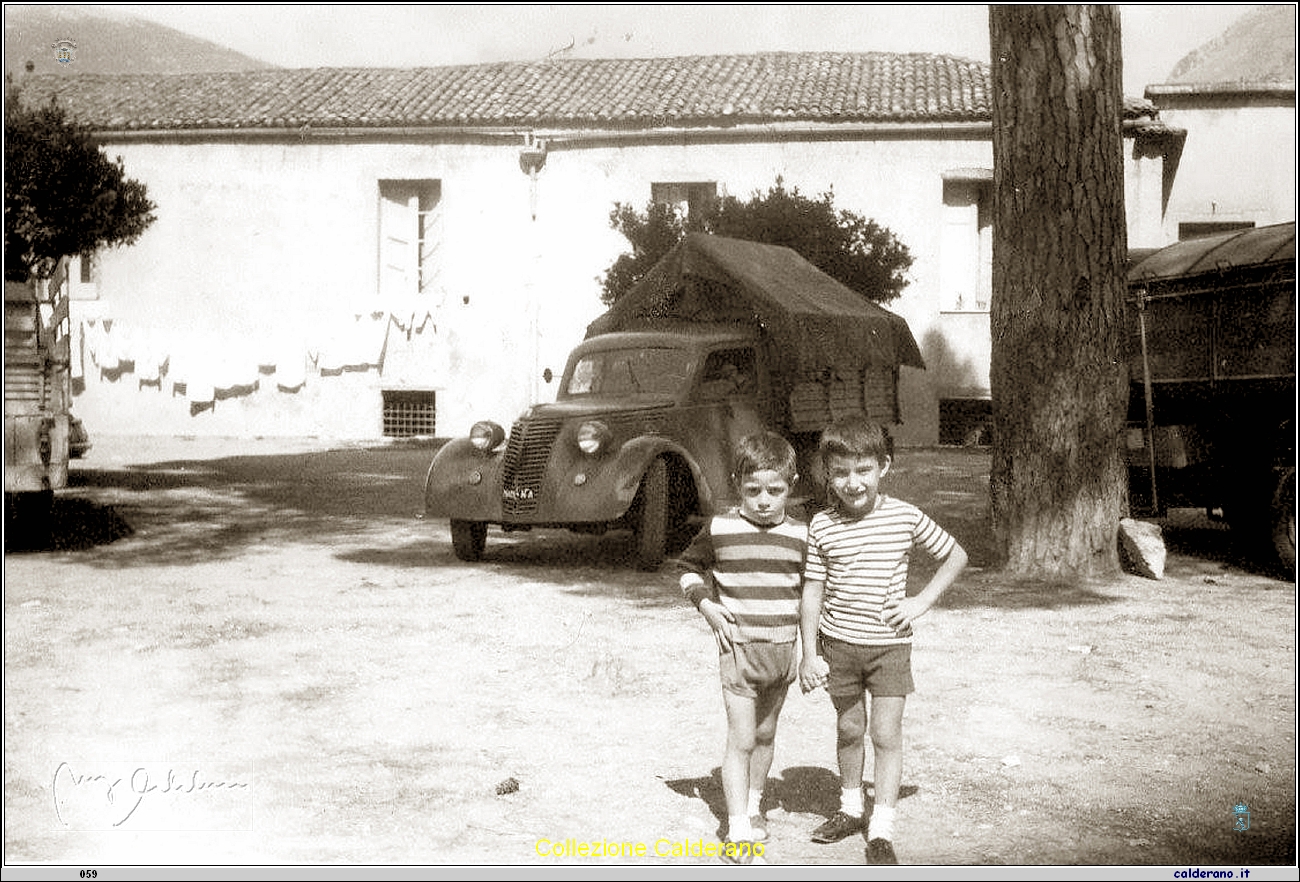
[593, 437]
[486, 436]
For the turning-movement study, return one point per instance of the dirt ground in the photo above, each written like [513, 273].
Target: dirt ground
[257, 652]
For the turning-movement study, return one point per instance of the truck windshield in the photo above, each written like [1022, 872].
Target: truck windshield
[630, 372]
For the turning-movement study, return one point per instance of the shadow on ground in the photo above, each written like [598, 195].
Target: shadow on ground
[180, 511]
[1008, 593]
[191, 511]
[1207, 547]
[808, 790]
[585, 566]
[74, 525]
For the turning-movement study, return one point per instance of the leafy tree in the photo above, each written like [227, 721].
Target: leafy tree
[63, 196]
[848, 247]
[1058, 483]
[652, 235]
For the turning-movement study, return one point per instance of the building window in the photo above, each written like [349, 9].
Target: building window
[408, 414]
[81, 275]
[1199, 230]
[410, 235]
[966, 257]
[692, 199]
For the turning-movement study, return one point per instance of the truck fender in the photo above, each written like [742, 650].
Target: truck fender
[635, 457]
[465, 481]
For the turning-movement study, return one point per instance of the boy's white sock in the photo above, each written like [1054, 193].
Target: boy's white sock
[881, 825]
[738, 829]
[755, 802]
[851, 801]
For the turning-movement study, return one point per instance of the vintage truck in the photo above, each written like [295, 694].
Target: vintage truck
[1211, 356]
[721, 337]
[39, 427]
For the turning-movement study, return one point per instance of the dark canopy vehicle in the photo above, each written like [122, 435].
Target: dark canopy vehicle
[1212, 355]
[723, 337]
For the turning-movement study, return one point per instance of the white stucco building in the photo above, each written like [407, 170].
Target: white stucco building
[1235, 97]
[366, 252]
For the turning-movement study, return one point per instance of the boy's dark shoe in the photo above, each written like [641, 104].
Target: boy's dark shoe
[881, 851]
[838, 826]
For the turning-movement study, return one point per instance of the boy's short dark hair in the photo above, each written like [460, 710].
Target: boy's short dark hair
[856, 436]
[764, 450]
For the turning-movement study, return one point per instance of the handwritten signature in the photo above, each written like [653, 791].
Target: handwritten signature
[123, 794]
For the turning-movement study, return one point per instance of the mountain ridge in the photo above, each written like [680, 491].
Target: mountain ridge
[104, 41]
[1257, 48]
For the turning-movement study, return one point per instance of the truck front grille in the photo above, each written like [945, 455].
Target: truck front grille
[527, 453]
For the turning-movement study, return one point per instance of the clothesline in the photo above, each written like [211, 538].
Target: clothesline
[205, 365]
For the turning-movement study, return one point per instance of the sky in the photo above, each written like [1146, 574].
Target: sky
[1155, 36]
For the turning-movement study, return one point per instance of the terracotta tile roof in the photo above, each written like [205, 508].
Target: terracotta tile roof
[811, 87]
[702, 90]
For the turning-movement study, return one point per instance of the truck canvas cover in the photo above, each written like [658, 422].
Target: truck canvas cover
[1217, 308]
[1219, 254]
[813, 322]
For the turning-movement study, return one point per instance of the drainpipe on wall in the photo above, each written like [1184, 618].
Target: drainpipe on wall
[532, 157]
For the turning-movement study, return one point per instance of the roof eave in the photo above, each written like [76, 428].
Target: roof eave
[556, 135]
[1276, 89]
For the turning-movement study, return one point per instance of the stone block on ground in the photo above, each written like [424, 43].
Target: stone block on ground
[1142, 548]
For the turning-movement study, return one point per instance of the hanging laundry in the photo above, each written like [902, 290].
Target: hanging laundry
[101, 344]
[77, 359]
[234, 366]
[289, 357]
[355, 342]
[150, 355]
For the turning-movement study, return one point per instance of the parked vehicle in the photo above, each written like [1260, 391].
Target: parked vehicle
[1212, 355]
[78, 438]
[38, 396]
[721, 338]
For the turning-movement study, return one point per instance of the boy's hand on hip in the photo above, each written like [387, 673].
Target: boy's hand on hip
[722, 621]
[899, 614]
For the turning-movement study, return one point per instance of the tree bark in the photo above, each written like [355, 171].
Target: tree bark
[1058, 484]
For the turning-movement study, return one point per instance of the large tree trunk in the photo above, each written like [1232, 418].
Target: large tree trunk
[1059, 245]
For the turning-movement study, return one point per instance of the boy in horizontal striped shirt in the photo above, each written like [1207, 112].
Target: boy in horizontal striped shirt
[857, 612]
[744, 573]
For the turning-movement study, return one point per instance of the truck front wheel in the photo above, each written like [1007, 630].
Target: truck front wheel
[468, 539]
[651, 528]
[1284, 520]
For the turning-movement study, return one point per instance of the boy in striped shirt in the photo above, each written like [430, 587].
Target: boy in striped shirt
[744, 573]
[857, 613]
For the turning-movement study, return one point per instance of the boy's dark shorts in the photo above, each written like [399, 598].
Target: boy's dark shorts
[750, 668]
[855, 669]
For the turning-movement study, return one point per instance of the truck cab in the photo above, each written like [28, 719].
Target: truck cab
[639, 437]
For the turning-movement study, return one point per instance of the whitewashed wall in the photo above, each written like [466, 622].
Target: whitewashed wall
[1239, 162]
[264, 255]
